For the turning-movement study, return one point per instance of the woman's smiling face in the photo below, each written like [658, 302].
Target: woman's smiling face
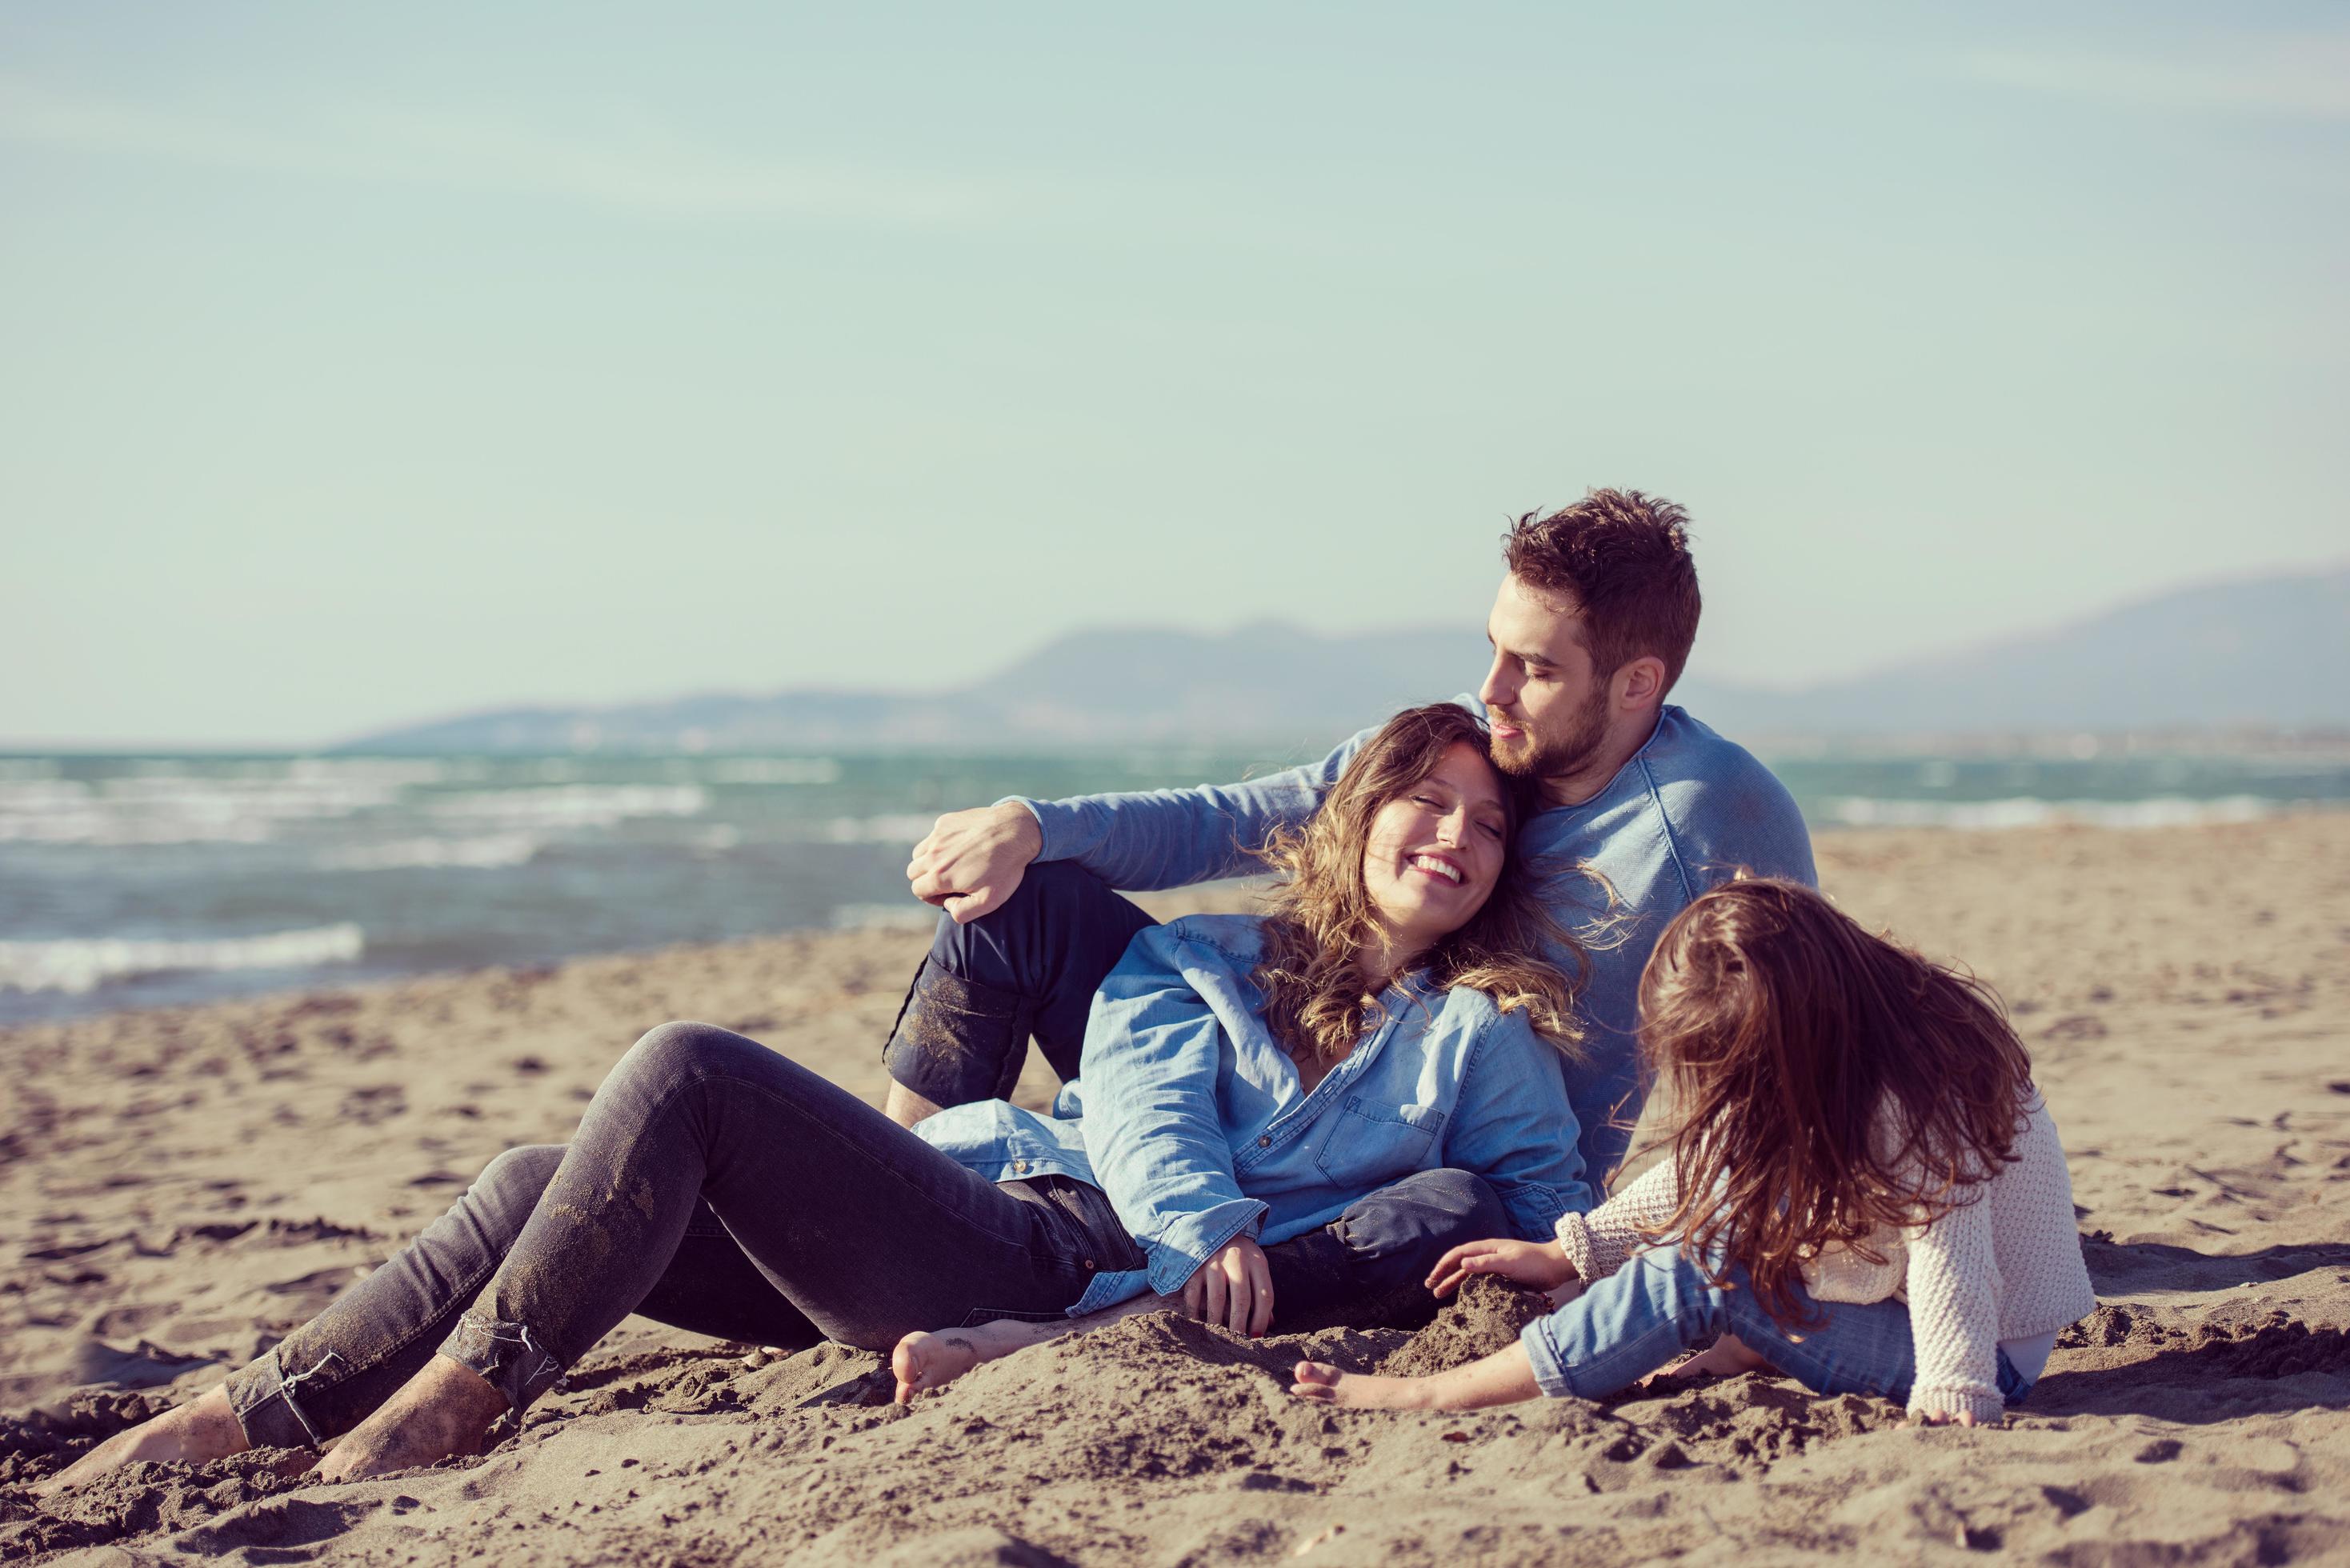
[1435, 851]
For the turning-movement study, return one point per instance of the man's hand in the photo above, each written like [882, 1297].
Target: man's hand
[973, 859]
[1544, 1267]
[1233, 1288]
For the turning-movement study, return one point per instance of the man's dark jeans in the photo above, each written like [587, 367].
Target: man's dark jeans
[1036, 962]
[1031, 967]
[718, 1186]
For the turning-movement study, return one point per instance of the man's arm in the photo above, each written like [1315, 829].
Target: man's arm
[1173, 838]
[1136, 842]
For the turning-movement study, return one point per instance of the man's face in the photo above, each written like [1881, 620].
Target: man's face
[1548, 706]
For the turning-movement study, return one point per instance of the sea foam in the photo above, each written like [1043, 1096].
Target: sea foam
[896, 827]
[775, 771]
[151, 806]
[81, 964]
[2025, 811]
[489, 852]
[574, 805]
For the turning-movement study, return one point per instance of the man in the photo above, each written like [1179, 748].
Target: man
[1590, 630]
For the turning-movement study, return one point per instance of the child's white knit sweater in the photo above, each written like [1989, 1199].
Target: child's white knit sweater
[2004, 1266]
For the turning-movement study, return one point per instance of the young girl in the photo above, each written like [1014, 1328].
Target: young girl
[1865, 1191]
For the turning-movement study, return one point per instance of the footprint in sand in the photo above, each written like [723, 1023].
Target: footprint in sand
[144, 1365]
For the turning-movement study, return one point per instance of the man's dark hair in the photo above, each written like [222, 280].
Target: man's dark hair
[1624, 558]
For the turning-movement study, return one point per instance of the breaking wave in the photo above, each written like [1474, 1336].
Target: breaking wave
[775, 771]
[488, 853]
[899, 827]
[2026, 811]
[151, 808]
[78, 965]
[574, 805]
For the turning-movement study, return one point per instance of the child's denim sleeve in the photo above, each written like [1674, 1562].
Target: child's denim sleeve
[1513, 1125]
[1154, 1131]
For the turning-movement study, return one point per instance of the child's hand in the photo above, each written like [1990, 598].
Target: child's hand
[1544, 1267]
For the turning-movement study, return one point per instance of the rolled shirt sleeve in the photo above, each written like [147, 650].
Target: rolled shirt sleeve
[1513, 1125]
[1153, 1056]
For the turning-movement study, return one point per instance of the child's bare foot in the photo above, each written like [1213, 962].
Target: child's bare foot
[925, 1363]
[203, 1428]
[1356, 1390]
[1726, 1357]
[444, 1410]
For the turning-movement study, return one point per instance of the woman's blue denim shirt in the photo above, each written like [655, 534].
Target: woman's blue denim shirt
[1190, 1117]
[1683, 814]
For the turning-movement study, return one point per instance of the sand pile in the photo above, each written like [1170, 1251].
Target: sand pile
[180, 1188]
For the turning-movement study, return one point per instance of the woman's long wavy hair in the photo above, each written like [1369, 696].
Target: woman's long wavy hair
[1825, 1081]
[1319, 915]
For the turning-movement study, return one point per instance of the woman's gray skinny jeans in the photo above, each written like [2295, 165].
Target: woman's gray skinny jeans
[722, 1188]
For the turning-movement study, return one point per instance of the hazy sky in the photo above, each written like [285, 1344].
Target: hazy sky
[365, 364]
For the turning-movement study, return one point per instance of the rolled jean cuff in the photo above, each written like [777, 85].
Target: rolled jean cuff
[505, 1356]
[1549, 1368]
[957, 1040]
[262, 1397]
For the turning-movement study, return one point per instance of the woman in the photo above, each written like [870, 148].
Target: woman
[1245, 1080]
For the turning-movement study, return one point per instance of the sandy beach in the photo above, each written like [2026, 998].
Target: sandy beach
[179, 1188]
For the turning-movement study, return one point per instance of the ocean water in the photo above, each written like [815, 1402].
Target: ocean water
[139, 881]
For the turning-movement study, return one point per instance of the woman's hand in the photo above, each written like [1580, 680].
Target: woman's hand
[1233, 1288]
[1543, 1266]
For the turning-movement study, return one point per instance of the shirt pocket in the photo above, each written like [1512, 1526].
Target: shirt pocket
[1372, 1142]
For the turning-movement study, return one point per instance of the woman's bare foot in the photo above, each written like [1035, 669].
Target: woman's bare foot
[926, 1363]
[1326, 1385]
[444, 1410]
[203, 1428]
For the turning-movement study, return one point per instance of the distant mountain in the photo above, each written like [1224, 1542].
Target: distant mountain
[1266, 683]
[2269, 652]
[2261, 652]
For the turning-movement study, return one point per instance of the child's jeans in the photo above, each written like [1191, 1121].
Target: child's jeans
[1661, 1303]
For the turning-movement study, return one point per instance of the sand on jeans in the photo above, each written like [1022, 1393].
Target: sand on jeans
[179, 1188]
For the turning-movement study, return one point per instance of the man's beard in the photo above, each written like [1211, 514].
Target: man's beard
[1586, 731]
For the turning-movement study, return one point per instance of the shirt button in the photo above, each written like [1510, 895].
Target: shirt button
[1020, 1165]
[1265, 1142]
[1089, 1265]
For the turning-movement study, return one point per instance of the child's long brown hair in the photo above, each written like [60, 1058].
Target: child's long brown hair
[1317, 1000]
[1824, 1080]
